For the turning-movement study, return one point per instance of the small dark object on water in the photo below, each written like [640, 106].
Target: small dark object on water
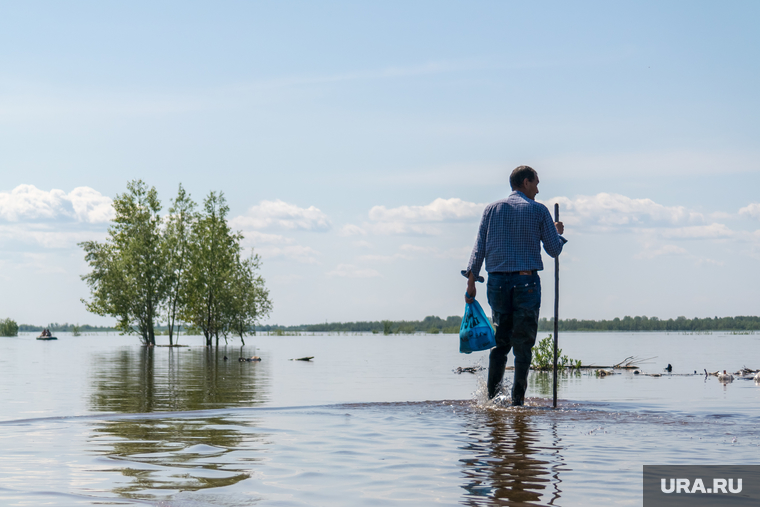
[309, 358]
[468, 369]
[225, 358]
[637, 372]
[249, 359]
[669, 368]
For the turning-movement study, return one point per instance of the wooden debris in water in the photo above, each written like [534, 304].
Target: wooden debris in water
[309, 358]
[748, 373]
[468, 369]
[631, 362]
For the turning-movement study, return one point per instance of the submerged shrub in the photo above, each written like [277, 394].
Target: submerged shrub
[543, 356]
[8, 327]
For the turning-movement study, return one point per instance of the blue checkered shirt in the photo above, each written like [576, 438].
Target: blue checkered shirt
[510, 236]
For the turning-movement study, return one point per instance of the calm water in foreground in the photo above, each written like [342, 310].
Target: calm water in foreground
[373, 420]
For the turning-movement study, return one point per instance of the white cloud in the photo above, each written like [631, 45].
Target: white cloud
[752, 210]
[47, 236]
[440, 210]
[41, 263]
[282, 215]
[421, 220]
[674, 250]
[402, 228]
[712, 231]
[255, 238]
[462, 253]
[411, 252]
[298, 253]
[351, 271]
[665, 250]
[417, 249]
[383, 258]
[611, 211]
[352, 230]
[28, 203]
[704, 260]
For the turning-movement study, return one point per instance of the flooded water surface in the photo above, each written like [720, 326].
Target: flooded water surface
[371, 420]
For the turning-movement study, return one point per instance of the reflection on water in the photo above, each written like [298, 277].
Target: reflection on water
[147, 379]
[508, 463]
[157, 457]
[163, 456]
[541, 383]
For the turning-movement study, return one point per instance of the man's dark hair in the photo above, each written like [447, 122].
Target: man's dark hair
[520, 174]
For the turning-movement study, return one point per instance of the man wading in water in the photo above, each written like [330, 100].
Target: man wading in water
[509, 240]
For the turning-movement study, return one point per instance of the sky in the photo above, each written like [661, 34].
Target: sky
[357, 144]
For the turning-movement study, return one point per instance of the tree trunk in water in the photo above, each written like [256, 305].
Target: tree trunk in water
[172, 321]
[151, 331]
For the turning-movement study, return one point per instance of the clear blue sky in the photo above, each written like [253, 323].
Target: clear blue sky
[357, 145]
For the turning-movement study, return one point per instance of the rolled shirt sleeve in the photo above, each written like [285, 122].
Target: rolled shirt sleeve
[479, 250]
[551, 239]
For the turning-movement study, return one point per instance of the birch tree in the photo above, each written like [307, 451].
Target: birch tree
[248, 299]
[214, 250]
[177, 254]
[128, 279]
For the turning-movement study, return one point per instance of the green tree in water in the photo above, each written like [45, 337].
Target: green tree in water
[247, 300]
[128, 279]
[176, 245]
[185, 266]
[8, 327]
[224, 293]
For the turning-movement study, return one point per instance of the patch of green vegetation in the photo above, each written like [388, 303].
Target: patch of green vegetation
[8, 327]
[281, 332]
[543, 356]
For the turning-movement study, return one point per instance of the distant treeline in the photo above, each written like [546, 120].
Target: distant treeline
[433, 324]
[86, 328]
[64, 328]
[430, 324]
[451, 324]
[654, 324]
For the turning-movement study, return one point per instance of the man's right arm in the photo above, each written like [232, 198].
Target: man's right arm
[471, 290]
[476, 258]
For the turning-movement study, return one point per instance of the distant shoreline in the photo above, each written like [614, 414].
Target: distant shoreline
[451, 325]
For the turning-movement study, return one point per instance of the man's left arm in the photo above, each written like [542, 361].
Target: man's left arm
[550, 234]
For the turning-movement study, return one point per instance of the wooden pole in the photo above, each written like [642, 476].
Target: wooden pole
[556, 311]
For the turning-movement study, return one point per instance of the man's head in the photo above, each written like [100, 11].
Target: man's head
[524, 179]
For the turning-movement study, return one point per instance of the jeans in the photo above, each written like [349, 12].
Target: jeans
[515, 301]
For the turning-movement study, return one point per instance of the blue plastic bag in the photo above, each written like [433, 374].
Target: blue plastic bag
[476, 332]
